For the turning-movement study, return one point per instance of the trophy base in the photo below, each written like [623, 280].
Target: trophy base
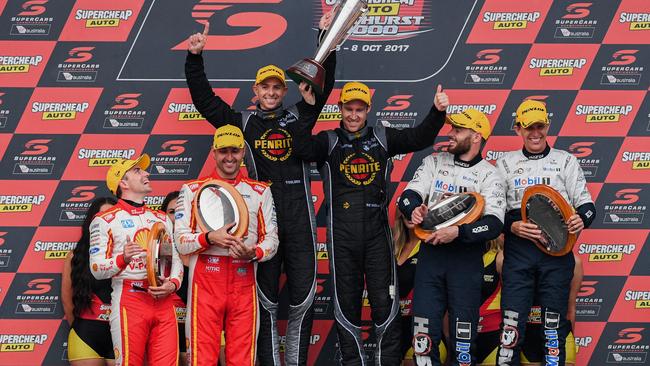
[309, 71]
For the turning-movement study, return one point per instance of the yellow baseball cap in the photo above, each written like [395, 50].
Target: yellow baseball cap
[530, 112]
[116, 171]
[473, 119]
[355, 91]
[270, 71]
[228, 136]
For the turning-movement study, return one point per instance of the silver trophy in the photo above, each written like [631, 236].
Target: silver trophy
[311, 70]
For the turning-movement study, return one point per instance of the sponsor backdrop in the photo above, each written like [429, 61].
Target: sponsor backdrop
[85, 82]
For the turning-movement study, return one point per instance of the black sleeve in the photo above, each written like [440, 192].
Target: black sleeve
[330, 73]
[487, 228]
[587, 213]
[409, 200]
[213, 108]
[510, 217]
[306, 146]
[416, 138]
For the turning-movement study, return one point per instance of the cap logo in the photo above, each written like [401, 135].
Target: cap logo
[356, 89]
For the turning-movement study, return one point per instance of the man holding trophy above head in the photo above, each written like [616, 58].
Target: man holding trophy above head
[143, 319]
[270, 158]
[222, 293]
[355, 163]
[449, 273]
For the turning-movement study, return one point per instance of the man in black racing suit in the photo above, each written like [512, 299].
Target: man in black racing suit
[270, 158]
[355, 163]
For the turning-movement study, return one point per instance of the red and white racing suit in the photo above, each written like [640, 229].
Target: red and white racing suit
[138, 320]
[222, 291]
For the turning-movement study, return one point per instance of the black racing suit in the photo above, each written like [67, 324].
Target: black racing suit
[355, 168]
[448, 276]
[270, 158]
[528, 272]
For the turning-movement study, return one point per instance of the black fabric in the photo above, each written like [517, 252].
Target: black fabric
[536, 156]
[587, 213]
[480, 231]
[96, 334]
[408, 201]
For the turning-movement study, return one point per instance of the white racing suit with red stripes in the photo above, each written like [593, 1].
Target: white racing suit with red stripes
[222, 293]
[139, 323]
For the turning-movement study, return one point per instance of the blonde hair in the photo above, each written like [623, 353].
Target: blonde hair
[401, 233]
[496, 244]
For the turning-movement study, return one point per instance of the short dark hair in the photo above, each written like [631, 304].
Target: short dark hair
[118, 192]
[170, 196]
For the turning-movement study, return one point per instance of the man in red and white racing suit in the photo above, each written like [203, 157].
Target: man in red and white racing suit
[142, 317]
[222, 293]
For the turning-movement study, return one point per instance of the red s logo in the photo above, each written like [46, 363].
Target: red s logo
[577, 11]
[268, 27]
[33, 8]
[629, 335]
[39, 286]
[398, 103]
[80, 54]
[36, 147]
[126, 101]
[587, 288]
[319, 285]
[581, 149]
[488, 57]
[1, 94]
[82, 194]
[627, 196]
[172, 148]
[2, 240]
[623, 57]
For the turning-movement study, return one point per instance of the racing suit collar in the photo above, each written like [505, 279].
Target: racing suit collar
[467, 164]
[270, 114]
[537, 156]
[131, 207]
[234, 182]
[354, 135]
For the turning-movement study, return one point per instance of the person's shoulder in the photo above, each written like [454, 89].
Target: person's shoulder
[195, 184]
[255, 185]
[157, 213]
[108, 215]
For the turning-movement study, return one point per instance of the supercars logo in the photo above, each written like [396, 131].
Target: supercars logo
[391, 20]
[104, 157]
[557, 67]
[259, 28]
[20, 203]
[603, 113]
[82, 194]
[126, 101]
[398, 103]
[577, 11]
[21, 342]
[80, 54]
[33, 8]
[510, 20]
[360, 168]
[39, 286]
[36, 147]
[637, 21]
[488, 56]
[641, 298]
[606, 252]
[172, 148]
[629, 336]
[18, 64]
[626, 196]
[59, 111]
[275, 144]
[581, 149]
[639, 160]
[102, 18]
[623, 57]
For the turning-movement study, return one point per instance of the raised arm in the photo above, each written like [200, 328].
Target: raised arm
[210, 105]
[305, 146]
[423, 135]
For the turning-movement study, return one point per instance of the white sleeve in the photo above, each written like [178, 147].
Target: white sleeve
[187, 241]
[177, 265]
[575, 183]
[423, 177]
[267, 227]
[104, 263]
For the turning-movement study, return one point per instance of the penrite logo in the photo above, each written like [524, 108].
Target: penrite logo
[483, 70]
[263, 27]
[395, 113]
[76, 67]
[360, 168]
[275, 144]
[30, 22]
[620, 70]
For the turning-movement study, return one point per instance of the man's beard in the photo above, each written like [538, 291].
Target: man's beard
[462, 147]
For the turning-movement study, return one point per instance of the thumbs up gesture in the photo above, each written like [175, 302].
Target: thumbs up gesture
[441, 100]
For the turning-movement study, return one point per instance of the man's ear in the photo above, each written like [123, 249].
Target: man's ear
[517, 129]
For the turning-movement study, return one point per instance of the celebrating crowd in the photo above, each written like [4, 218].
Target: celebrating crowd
[478, 293]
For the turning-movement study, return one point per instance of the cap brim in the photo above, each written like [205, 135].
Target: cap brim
[142, 162]
[283, 81]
